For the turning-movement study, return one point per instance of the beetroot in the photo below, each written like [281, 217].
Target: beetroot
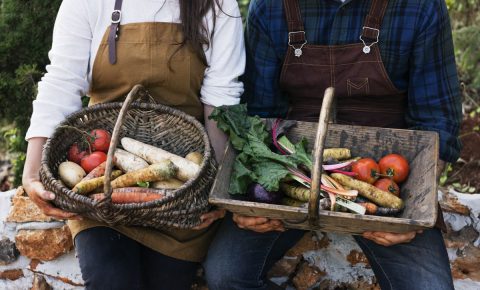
[257, 193]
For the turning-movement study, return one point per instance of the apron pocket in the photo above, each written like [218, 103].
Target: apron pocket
[358, 87]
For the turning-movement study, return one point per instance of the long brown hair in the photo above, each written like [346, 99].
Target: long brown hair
[195, 32]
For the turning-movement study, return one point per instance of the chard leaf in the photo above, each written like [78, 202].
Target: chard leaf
[302, 155]
[282, 127]
[241, 176]
[259, 150]
[235, 122]
[269, 174]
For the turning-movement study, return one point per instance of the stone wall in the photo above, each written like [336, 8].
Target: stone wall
[36, 251]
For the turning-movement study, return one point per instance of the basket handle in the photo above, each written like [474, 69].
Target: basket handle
[136, 92]
[318, 155]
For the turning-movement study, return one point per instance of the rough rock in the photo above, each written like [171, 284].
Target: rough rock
[13, 274]
[45, 245]
[8, 252]
[460, 239]
[450, 203]
[307, 276]
[285, 267]
[357, 285]
[39, 283]
[467, 265]
[24, 210]
[33, 264]
[356, 257]
[311, 241]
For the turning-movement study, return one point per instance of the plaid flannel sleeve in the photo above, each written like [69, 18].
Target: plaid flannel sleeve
[433, 92]
[262, 93]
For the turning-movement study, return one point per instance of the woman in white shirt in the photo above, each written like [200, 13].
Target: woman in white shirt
[189, 55]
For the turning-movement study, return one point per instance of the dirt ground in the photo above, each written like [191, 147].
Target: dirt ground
[468, 170]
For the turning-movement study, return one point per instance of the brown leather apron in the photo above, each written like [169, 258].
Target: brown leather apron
[364, 93]
[146, 53]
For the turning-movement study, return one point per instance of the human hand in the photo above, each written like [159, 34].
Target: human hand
[209, 217]
[389, 239]
[41, 198]
[258, 224]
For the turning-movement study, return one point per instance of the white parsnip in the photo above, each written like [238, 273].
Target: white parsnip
[186, 169]
[162, 170]
[128, 162]
[378, 196]
[171, 183]
[195, 157]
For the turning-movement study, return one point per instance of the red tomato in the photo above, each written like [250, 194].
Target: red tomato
[75, 154]
[394, 165]
[366, 170]
[91, 161]
[386, 184]
[100, 140]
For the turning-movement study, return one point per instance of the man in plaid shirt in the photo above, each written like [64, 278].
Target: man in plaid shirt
[392, 59]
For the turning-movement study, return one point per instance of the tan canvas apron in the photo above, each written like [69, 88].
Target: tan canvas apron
[142, 55]
[364, 93]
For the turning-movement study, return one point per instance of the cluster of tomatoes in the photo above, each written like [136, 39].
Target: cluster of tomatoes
[391, 170]
[92, 152]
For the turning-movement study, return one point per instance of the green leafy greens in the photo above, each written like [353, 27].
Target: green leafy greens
[256, 162]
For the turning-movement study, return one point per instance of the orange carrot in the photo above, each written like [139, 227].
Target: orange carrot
[370, 207]
[96, 172]
[130, 195]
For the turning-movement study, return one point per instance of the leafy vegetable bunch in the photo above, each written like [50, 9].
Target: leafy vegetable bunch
[254, 139]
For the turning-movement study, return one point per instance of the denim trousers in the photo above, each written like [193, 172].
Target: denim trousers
[110, 260]
[240, 259]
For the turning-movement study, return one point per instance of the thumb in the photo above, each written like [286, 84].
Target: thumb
[41, 192]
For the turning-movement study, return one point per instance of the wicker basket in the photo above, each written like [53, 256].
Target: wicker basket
[154, 124]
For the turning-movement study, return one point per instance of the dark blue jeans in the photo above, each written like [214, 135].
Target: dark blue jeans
[110, 260]
[240, 259]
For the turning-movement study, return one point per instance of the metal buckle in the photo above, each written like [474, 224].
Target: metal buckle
[366, 47]
[295, 32]
[116, 16]
[297, 50]
[374, 29]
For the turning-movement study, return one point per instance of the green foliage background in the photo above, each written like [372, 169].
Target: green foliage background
[25, 39]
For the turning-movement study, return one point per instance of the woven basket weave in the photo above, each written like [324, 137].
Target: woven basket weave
[154, 124]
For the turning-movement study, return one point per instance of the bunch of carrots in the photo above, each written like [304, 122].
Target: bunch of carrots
[137, 168]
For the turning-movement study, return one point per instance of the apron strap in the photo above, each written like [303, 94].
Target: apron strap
[296, 31]
[373, 20]
[114, 28]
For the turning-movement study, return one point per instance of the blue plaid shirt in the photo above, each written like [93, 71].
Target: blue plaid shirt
[415, 45]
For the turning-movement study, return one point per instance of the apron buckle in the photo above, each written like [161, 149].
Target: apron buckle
[366, 47]
[297, 50]
[116, 16]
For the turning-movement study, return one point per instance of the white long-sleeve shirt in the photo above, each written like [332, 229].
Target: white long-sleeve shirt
[79, 29]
